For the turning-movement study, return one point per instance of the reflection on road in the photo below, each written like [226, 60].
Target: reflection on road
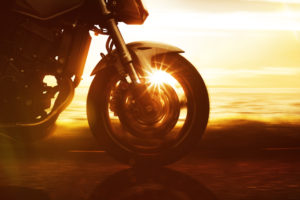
[15, 193]
[162, 183]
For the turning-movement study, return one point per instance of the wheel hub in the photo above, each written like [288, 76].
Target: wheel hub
[152, 114]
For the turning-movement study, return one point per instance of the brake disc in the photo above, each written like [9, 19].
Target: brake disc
[151, 114]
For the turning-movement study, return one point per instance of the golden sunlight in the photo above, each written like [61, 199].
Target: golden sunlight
[159, 77]
[50, 80]
[246, 51]
[279, 1]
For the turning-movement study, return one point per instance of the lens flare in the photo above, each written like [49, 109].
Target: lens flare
[159, 77]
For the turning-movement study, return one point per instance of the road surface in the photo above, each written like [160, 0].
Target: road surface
[226, 166]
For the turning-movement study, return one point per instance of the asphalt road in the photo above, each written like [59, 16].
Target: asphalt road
[71, 165]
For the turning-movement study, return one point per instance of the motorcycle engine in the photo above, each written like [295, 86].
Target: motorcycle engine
[28, 53]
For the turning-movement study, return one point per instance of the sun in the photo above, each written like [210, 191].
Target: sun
[159, 77]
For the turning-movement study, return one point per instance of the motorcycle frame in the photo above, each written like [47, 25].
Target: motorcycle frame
[124, 62]
[75, 65]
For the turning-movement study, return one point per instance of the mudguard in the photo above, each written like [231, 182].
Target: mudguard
[142, 51]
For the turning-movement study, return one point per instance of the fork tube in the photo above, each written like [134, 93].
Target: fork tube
[121, 47]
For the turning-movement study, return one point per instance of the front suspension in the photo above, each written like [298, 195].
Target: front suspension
[127, 67]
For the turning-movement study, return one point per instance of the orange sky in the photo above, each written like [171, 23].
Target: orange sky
[233, 43]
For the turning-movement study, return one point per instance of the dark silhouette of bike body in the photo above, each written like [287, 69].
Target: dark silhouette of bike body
[146, 105]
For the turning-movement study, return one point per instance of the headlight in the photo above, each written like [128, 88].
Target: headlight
[129, 11]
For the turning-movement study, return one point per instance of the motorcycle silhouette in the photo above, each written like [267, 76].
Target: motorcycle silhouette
[146, 104]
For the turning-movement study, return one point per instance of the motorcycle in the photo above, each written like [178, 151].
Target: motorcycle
[147, 104]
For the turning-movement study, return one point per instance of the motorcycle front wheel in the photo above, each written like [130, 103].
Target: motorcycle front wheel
[155, 125]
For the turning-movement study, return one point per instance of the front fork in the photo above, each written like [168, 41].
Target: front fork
[127, 67]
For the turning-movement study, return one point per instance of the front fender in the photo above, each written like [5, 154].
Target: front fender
[142, 51]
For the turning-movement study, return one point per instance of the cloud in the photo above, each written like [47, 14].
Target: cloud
[238, 20]
[278, 1]
[214, 6]
[253, 77]
[250, 72]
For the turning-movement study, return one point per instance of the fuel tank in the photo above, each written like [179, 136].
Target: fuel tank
[45, 9]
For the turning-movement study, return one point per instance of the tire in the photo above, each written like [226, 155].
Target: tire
[158, 150]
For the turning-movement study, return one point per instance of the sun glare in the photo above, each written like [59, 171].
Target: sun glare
[159, 77]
